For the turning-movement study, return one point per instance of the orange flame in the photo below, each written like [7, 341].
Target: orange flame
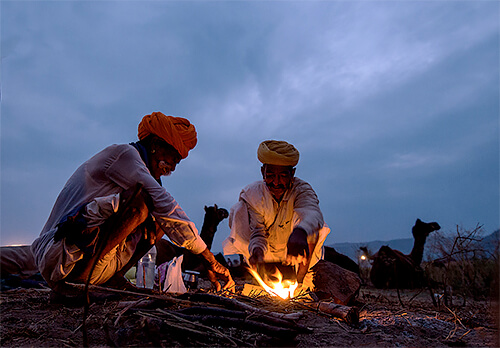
[283, 289]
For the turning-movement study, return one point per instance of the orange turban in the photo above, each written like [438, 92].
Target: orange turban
[176, 131]
[278, 153]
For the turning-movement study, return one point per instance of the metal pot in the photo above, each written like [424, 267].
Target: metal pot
[191, 279]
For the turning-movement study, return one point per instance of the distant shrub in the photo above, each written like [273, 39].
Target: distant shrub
[463, 265]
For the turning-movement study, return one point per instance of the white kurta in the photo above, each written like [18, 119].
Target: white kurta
[99, 182]
[257, 220]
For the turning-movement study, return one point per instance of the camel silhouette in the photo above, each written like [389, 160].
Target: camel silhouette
[393, 269]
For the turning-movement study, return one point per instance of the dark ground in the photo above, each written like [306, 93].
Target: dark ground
[29, 320]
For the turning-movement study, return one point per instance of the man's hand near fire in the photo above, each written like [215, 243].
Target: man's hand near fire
[256, 258]
[298, 249]
[299, 252]
[215, 270]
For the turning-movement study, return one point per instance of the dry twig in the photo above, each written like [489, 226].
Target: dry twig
[457, 319]
[233, 303]
[123, 311]
[217, 332]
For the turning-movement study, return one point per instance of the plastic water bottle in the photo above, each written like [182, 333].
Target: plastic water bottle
[145, 275]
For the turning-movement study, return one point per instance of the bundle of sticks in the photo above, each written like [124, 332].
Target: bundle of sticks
[202, 313]
[199, 315]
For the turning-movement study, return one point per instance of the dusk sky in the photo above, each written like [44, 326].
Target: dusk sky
[393, 105]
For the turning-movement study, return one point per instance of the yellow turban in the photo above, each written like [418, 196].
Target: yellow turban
[278, 153]
[176, 131]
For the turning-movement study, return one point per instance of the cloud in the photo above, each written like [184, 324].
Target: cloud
[393, 106]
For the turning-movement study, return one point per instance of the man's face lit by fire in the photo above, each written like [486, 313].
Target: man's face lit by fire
[164, 159]
[278, 179]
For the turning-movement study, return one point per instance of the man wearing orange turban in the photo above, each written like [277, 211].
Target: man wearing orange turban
[278, 219]
[114, 208]
[176, 131]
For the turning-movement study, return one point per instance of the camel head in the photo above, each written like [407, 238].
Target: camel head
[216, 214]
[422, 229]
[368, 254]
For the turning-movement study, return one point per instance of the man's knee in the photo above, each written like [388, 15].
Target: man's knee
[135, 201]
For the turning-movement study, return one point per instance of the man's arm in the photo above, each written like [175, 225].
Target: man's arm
[127, 170]
[306, 206]
[254, 199]
[304, 236]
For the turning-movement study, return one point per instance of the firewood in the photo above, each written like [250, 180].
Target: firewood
[333, 281]
[183, 331]
[349, 314]
[138, 292]
[233, 303]
[220, 312]
[243, 324]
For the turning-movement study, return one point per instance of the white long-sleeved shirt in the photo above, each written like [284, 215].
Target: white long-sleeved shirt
[271, 223]
[109, 172]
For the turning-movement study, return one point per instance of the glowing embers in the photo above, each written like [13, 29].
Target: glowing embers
[275, 285]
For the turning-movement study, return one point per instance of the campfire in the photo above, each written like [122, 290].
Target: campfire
[275, 284]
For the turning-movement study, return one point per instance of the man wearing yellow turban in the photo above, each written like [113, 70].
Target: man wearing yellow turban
[113, 209]
[278, 219]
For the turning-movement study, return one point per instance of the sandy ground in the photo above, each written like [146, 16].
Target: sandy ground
[28, 319]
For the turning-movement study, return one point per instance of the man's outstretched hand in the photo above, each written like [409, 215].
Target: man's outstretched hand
[216, 271]
[256, 258]
[298, 249]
